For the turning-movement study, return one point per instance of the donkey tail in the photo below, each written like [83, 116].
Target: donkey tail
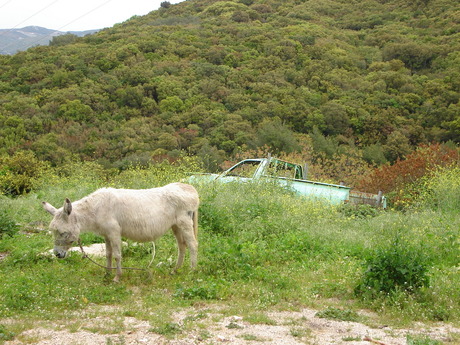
[195, 223]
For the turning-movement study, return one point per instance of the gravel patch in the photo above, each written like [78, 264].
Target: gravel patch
[287, 328]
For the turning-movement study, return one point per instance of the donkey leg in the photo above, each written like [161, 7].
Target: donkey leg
[181, 246]
[192, 244]
[117, 255]
[108, 255]
[115, 248]
[188, 234]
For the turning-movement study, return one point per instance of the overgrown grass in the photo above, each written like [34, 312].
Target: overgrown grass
[260, 248]
[332, 313]
[422, 340]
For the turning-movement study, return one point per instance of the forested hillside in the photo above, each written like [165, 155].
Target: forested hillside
[372, 79]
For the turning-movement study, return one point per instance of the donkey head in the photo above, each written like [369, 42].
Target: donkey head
[64, 227]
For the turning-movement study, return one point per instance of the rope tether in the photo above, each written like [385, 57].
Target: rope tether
[85, 256]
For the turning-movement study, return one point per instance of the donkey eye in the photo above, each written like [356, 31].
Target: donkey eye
[61, 234]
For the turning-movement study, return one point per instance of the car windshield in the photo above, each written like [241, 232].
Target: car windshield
[245, 169]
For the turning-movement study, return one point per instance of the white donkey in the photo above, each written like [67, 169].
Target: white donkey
[139, 215]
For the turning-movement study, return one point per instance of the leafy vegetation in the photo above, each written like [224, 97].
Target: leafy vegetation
[7, 225]
[5, 334]
[339, 314]
[365, 92]
[367, 80]
[261, 247]
[422, 340]
[396, 267]
[403, 181]
[20, 173]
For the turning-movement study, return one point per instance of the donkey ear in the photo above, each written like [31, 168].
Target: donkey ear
[67, 207]
[49, 208]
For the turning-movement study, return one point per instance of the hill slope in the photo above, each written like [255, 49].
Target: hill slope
[213, 78]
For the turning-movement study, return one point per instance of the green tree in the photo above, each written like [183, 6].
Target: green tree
[12, 132]
[276, 136]
[415, 55]
[322, 144]
[357, 71]
[171, 104]
[335, 117]
[63, 40]
[165, 4]
[75, 110]
[397, 146]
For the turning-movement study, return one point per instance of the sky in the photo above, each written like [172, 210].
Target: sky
[72, 15]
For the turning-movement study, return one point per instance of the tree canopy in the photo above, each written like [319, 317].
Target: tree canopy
[218, 78]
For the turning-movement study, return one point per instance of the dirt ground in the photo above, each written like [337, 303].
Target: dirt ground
[288, 328]
[207, 325]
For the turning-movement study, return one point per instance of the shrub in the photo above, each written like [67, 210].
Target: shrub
[7, 225]
[278, 137]
[20, 173]
[202, 290]
[399, 181]
[397, 267]
[441, 190]
[359, 211]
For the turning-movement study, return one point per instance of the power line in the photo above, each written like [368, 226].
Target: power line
[59, 29]
[33, 15]
[84, 15]
[6, 3]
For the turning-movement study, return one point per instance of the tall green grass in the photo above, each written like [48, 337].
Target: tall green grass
[260, 247]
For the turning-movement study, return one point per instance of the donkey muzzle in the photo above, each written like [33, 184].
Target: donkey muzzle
[61, 254]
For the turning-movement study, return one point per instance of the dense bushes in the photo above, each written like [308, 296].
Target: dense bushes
[396, 267]
[226, 70]
[403, 182]
[441, 189]
[20, 173]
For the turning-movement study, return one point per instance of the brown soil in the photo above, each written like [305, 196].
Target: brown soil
[211, 327]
